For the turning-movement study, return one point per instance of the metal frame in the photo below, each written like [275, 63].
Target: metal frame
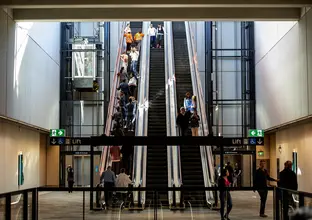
[70, 97]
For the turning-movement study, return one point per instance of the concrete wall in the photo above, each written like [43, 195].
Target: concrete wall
[15, 139]
[29, 71]
[283, 71]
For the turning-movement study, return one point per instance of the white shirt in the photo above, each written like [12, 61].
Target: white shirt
[132, 82]
[152, 31]
[127, 29]
[134, 55]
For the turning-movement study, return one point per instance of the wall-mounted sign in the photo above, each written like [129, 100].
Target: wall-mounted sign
[57, 132]
[255, 133]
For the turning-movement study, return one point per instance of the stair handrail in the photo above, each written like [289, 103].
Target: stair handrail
[206, 152]
[105, 157]
[174, 166]
[140, 152]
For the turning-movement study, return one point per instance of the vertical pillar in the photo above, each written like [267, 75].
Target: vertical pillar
[91, 175]
[34, 204]
[106, 68]
[208, 72]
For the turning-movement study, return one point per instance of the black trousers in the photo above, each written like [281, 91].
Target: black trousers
[108, 194]
[263, 193]
[70, 186]
[129, 46]
[286, 199]
[225, 196]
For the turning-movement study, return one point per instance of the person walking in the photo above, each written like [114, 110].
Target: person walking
[288, 180]
[160, 36]
[108, 178]
[194, 121]
[225, 195]
[152, 33]
[261, 178]
[138, 37]
[123, 181]
[70, 178]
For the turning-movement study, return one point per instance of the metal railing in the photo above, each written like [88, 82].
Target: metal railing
[287, 201]
[140, 152]
[32, 201]
[105, 157]
[206, 152]
[173, 152]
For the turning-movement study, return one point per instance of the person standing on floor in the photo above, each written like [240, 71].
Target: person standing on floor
[129, 41]
[138, 37]
[225, 195]
[109, 179]
[160, 36]
[231, 171]
[288, 180]
[261, 178]
[70, 178]
[194, 121]
[152, 33]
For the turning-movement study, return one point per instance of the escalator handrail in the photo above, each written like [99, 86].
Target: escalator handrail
[139, 163]
[206, 152]
[174, 175]
[112, 101]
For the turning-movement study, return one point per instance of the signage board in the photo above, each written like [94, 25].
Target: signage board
[255, 133]
[57, 132]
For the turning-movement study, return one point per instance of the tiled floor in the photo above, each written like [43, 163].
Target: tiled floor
[61, 205]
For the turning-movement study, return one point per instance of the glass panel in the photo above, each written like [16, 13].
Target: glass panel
[65, 205]
[17, 206]
[84, 61]
[2, 208]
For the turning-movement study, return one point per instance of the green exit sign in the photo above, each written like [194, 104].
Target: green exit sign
[57, 132]
[255, 133]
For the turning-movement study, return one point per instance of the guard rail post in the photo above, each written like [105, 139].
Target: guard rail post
[174, 203]
[25, 205]
[8, 206]
[276, 204]
[301, 199]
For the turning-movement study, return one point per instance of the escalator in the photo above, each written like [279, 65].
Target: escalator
[191, 166]
[157, 170]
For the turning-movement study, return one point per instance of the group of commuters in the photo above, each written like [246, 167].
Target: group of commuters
[288, 180]
[187, 117]
[109, 180]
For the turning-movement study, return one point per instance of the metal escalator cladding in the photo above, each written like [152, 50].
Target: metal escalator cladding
[191, 166]
[157, 171]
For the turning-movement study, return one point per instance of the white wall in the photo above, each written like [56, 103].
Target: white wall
[283, 73]
[30, 71]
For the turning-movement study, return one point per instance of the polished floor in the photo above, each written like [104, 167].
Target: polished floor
[61, 205]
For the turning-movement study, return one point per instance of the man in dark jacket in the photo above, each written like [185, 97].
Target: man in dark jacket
[288, 180]
[124, 87]
[70, 178]
[261, 178]
[183, 121]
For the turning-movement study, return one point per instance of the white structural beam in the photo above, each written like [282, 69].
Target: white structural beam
[152, 14]
[159, 3]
